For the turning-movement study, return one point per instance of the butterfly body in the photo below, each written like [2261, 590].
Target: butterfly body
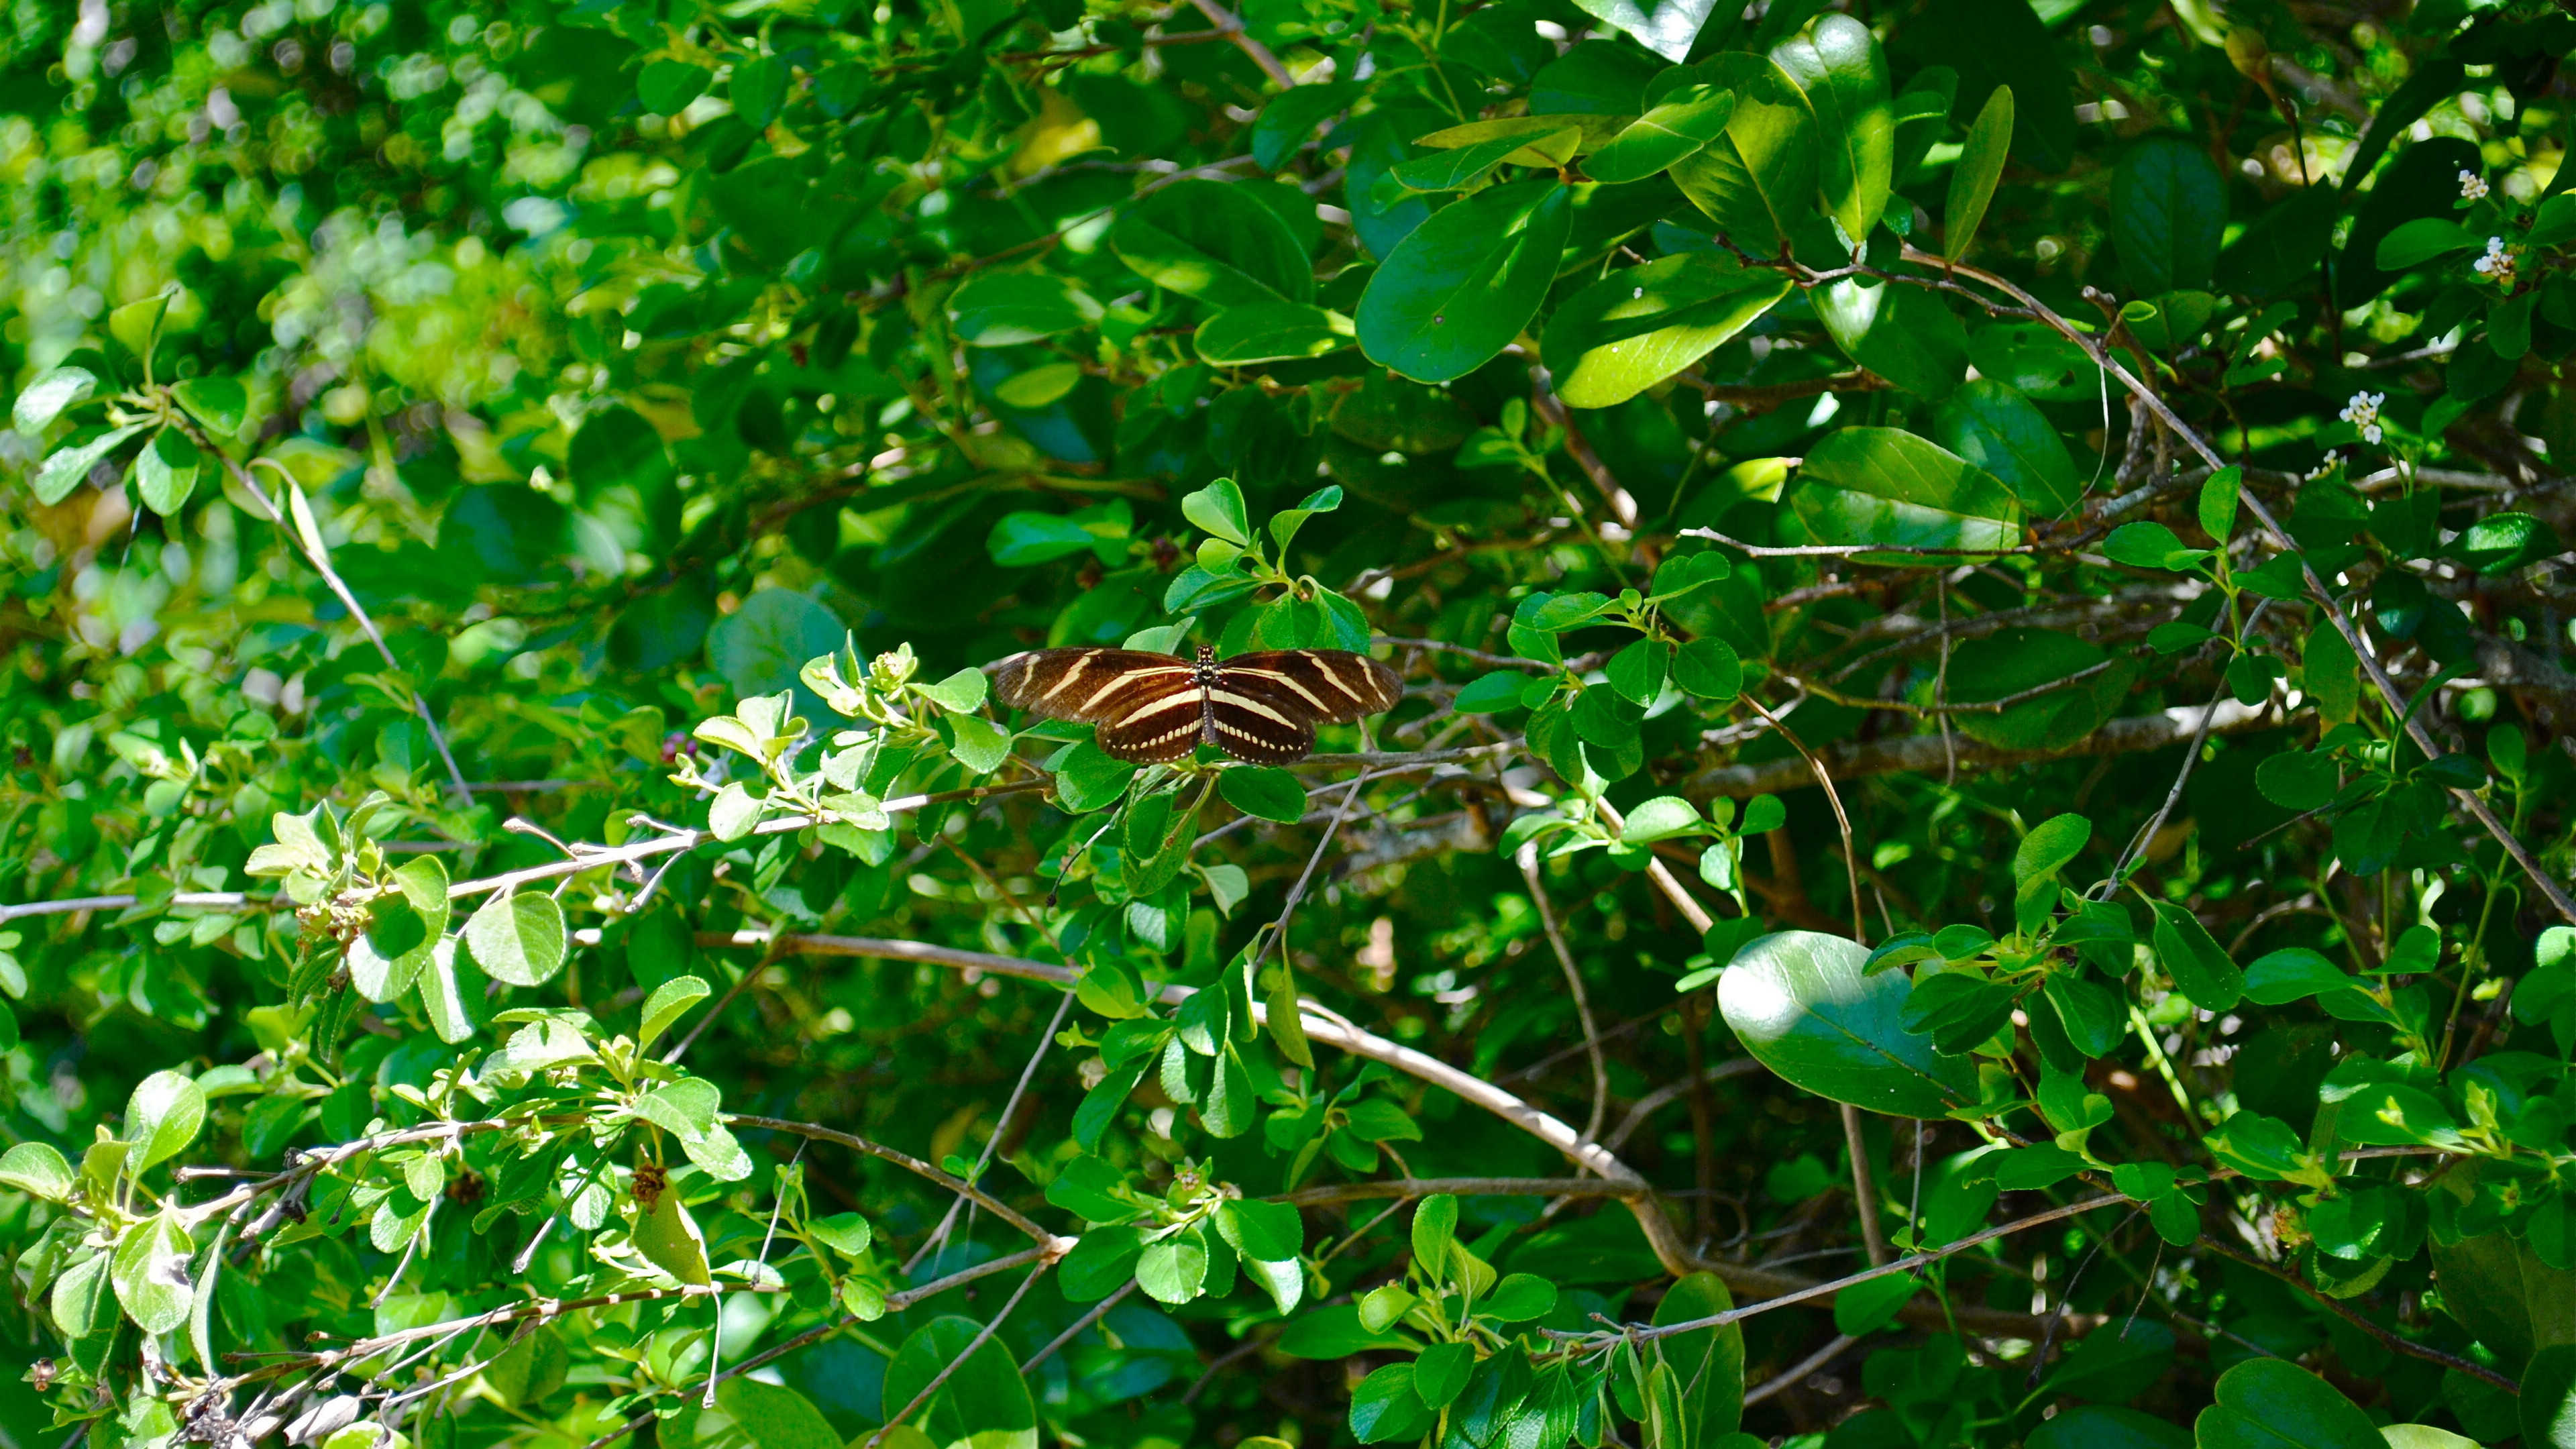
[1153, 709]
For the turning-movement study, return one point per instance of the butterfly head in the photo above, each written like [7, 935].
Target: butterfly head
[1206, 674]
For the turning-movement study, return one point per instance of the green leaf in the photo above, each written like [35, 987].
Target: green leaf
[165, 473]
[2050, 846]
[1980, 167]
[1211, 240]
[762, 647]
[162, 1116]
[44, 400]
[1680, 124]
[669, 1002]
[1268, 1231]
[1173, 1270]
[2270, 1403]
[2500, 543]
[518, 939]
[2150, 545]
[980, 745]
[2200, 968]
[2168, 215]
[1088, 778]
[667, 86]
[1256, 332]
[1103, 1262]
[1465, 283]
[1467, 166]
[1270, 794]
[150, 1272]
[39, 1169]
[1758, 180]
[2258, 1146]
[1335, 1332]
[1708, 1363]
[960, 693]
[1006, 309]
[758, 88]
[1661, 818]
[1290, 119]
[220, 403]
[65, 469]
[1709, 668]
[1839, 65]
[1519, 1298]
[1865, 1308]
[1638, 670]
[1435, 1230]
[2547, 1406]
[685, 1108]
[2419, 241]
[1888, 486]
[1907, 335]
[137, 324]
[2217, 505]
[1991, 424]
[1385, 1408]
[1802, 1007]
[1218, 509]
[1640, 325]
[1026, 538]
[2297, 780]
[984, 1400]
[1491, 693]
[774, 1416]
[82, 1296]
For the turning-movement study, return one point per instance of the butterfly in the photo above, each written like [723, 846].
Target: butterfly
[1153, 709]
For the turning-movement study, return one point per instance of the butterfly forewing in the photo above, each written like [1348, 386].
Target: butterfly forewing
[1332, 686]
[1087, 685]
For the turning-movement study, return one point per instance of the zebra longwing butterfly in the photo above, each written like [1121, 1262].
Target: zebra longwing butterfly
[1153, 709]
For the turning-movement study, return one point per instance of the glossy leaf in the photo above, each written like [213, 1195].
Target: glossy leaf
[1799, 1003]
[1464, 284]
[1640, 325]
[1981, 166]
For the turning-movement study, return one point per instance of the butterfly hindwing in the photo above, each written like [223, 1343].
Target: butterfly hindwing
[1160, 726]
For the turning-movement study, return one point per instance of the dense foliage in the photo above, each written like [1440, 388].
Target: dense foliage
[1974, 854]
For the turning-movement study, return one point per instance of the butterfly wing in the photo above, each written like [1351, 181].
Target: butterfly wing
[1328, 686]
[1149, 706]
[1089, 685]
[1265, 706]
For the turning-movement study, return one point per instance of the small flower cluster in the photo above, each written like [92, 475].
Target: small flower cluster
[2330, 463]
[2363, 413]
[2497, 265]
[2473, 187]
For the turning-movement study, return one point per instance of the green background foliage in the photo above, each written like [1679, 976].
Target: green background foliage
[1976, 851]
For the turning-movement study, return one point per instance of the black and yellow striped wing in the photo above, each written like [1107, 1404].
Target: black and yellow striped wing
[1264, 707]
[1152, 709]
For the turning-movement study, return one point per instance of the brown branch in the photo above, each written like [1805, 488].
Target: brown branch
[1332, 1030]
[1851, 760]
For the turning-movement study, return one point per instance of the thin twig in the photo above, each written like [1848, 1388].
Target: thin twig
[982, 1336]
[1798, 1371]
[307, 534]
[1842, 821]
[1098, 1313]
[1574, 985]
